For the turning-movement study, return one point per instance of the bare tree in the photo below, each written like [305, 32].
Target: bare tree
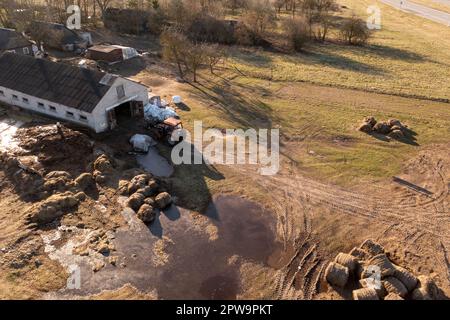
[214, 55]
[297, 32]
[318, 16]
[195, 58]
[174, 45]
[103, 5]
[259, 16]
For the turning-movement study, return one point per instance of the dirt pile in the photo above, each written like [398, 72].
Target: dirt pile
[375, 277]
[146, 196]
[392, 128]
[56, 145]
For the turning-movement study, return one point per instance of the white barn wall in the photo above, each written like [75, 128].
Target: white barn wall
[60, 109]
[97, 120]
[110, 99]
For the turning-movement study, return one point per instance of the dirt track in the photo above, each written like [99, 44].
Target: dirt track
[414, 225]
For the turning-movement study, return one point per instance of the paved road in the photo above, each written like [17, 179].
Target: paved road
[420, 10]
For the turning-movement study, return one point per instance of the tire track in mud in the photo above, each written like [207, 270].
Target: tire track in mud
[410, 214]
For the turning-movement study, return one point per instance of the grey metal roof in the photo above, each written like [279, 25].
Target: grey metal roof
[11, 39]
[75, 87]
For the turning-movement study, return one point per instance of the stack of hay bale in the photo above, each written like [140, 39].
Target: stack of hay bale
[393, 127]
[145, 196]
[395, 283]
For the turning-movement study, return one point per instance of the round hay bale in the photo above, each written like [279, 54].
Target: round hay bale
[428, 287]
[359, 254]
[146, 191]
[138, 182]
[58, 174]
[372, 247]
[150, 201]
[103, 164]
[346, 260]
[359, 271]
[123, 187]
[393, 296]
[396, 134]
[365, 127]
[135, 201]
[146, 213]
[408, 279]
[163, 200]
[382, 128]
[394, 122]
[393, 285]
[80, 196]
[385, 265]
[370, 120]
[365, 294]
[336, 274]
[373, 284]
[84, 180]
[397, 128]
[420, 294]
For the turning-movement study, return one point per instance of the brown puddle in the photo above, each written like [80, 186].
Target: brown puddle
[196, 267]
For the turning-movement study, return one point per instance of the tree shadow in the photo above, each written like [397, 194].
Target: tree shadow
[338, 62]
[392, 53]
[183, 106]
[172, 213]
[155, 227]
[253, 57]
[127, 68]
[189, 182]
[408, 137]
[237, 108]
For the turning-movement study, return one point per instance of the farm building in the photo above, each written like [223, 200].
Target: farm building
[13, 41]
[111, 53]
[58, 36]
[90, 98]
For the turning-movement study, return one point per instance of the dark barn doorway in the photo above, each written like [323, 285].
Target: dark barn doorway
[125, 113]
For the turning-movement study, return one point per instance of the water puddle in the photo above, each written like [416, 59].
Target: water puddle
[178, 257]
[154, 163]
[8, 129]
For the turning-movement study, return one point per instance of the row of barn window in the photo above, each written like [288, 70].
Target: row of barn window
[41, 105]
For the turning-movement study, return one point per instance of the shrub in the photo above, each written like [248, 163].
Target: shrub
[355, 32]
[205, 28]
[297, 33]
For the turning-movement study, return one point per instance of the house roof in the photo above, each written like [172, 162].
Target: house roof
[104, 48]
[75, 87]
[11, 39]
[68, 36]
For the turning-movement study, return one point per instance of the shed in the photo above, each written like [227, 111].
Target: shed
[111, 53]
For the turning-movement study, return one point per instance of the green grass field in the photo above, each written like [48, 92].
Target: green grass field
[435, 4]
[409, 56]
[319, 98]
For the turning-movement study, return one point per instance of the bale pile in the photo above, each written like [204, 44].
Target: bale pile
[392, 127]
[145, 196]
[376, 276]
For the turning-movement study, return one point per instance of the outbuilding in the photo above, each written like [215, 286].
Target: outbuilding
[111, 53]
[90, 98]
[13, 41]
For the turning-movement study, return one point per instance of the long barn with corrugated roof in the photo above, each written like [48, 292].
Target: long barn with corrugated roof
[91, 98]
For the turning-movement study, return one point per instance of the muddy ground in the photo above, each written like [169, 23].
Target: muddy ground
[273, 245]
[234, 249]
